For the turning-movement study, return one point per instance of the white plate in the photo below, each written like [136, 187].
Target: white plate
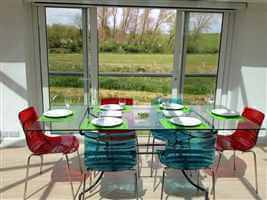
[111, 113]
[111, 107]
[224, 112]
[173, 113]
[58, 113]
[185, 121]
[172, 106]
[106, 121]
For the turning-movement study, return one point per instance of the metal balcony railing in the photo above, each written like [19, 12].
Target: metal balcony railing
[131, 74]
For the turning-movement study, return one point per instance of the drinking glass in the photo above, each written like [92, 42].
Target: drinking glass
[211, 101]
[67, 101]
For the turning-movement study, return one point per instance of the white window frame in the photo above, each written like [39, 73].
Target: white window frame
[90, 58]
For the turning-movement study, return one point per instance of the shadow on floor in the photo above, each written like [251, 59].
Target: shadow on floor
[120, 185]
[58, 173]
[177, 185]
[226, 168]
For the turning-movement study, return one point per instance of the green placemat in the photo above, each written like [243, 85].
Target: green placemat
[167, 124]
[59, 119]
[126, 108]
[217, 117]
[87, 125]
[185, 109]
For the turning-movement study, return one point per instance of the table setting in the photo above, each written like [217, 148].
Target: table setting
[57, 115]
[178, 116]
[225, 114]
[108, 116]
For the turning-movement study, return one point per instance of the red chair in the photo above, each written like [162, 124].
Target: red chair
[116, 100]
[41, 144]
[242, 140]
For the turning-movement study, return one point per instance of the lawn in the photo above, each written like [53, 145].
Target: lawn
[112, 62]
[142, 89]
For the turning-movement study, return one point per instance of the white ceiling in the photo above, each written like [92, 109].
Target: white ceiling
[242, 1]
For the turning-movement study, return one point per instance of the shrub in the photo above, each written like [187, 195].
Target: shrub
[59, 50]
[109, 46]
[74, 82]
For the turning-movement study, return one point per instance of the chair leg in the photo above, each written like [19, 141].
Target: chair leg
[69, 174]
[27, 176]
[198, 173]
[84, 184]
[42, 162]
[213, 184]
[155, 177]
[80, 162]
[152, 158]
[162, 185]
[136, 184]
[219, 161]
[255, 169]
[148, 141]
[234, 161]
[138, 159]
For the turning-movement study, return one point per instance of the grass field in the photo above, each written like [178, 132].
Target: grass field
[142, 89]
[110, 62]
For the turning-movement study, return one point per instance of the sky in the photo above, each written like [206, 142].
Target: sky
[67, 15]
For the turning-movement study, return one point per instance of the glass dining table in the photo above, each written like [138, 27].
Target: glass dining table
[143, 118]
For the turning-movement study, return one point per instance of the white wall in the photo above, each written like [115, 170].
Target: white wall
[248, 64]
[13, 91]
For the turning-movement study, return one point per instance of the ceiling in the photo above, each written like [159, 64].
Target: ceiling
[242, 1]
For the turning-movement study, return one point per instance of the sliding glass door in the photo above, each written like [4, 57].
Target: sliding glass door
[68, 55]
[89, 53]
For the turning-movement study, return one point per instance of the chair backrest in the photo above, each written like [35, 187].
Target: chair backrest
[35, 138]
[253, 115]
[116, 100]
[101, 153]
[191, 150]
[243, 139]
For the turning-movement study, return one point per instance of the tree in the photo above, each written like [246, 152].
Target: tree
[145, 20]
[199, 23]
[114, 12]
[134, 23]
[77, 20]
[166, 17]
[103, 14]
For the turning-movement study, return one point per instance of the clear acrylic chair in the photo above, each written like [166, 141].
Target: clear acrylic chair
[190, 150]
[111, 152]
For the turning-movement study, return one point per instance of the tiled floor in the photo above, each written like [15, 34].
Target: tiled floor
[53, 182]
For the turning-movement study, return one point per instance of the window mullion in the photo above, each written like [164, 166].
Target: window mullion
[182, 21]
[224, 59]
[44, 56]
[85, 55]
[93, 56]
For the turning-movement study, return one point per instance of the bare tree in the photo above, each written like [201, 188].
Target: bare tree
[77, 20]
[145, 20]
[126, 12]
[200, 22]
[114, 13]
[133, 24]
[103, 14]
[165, 17]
